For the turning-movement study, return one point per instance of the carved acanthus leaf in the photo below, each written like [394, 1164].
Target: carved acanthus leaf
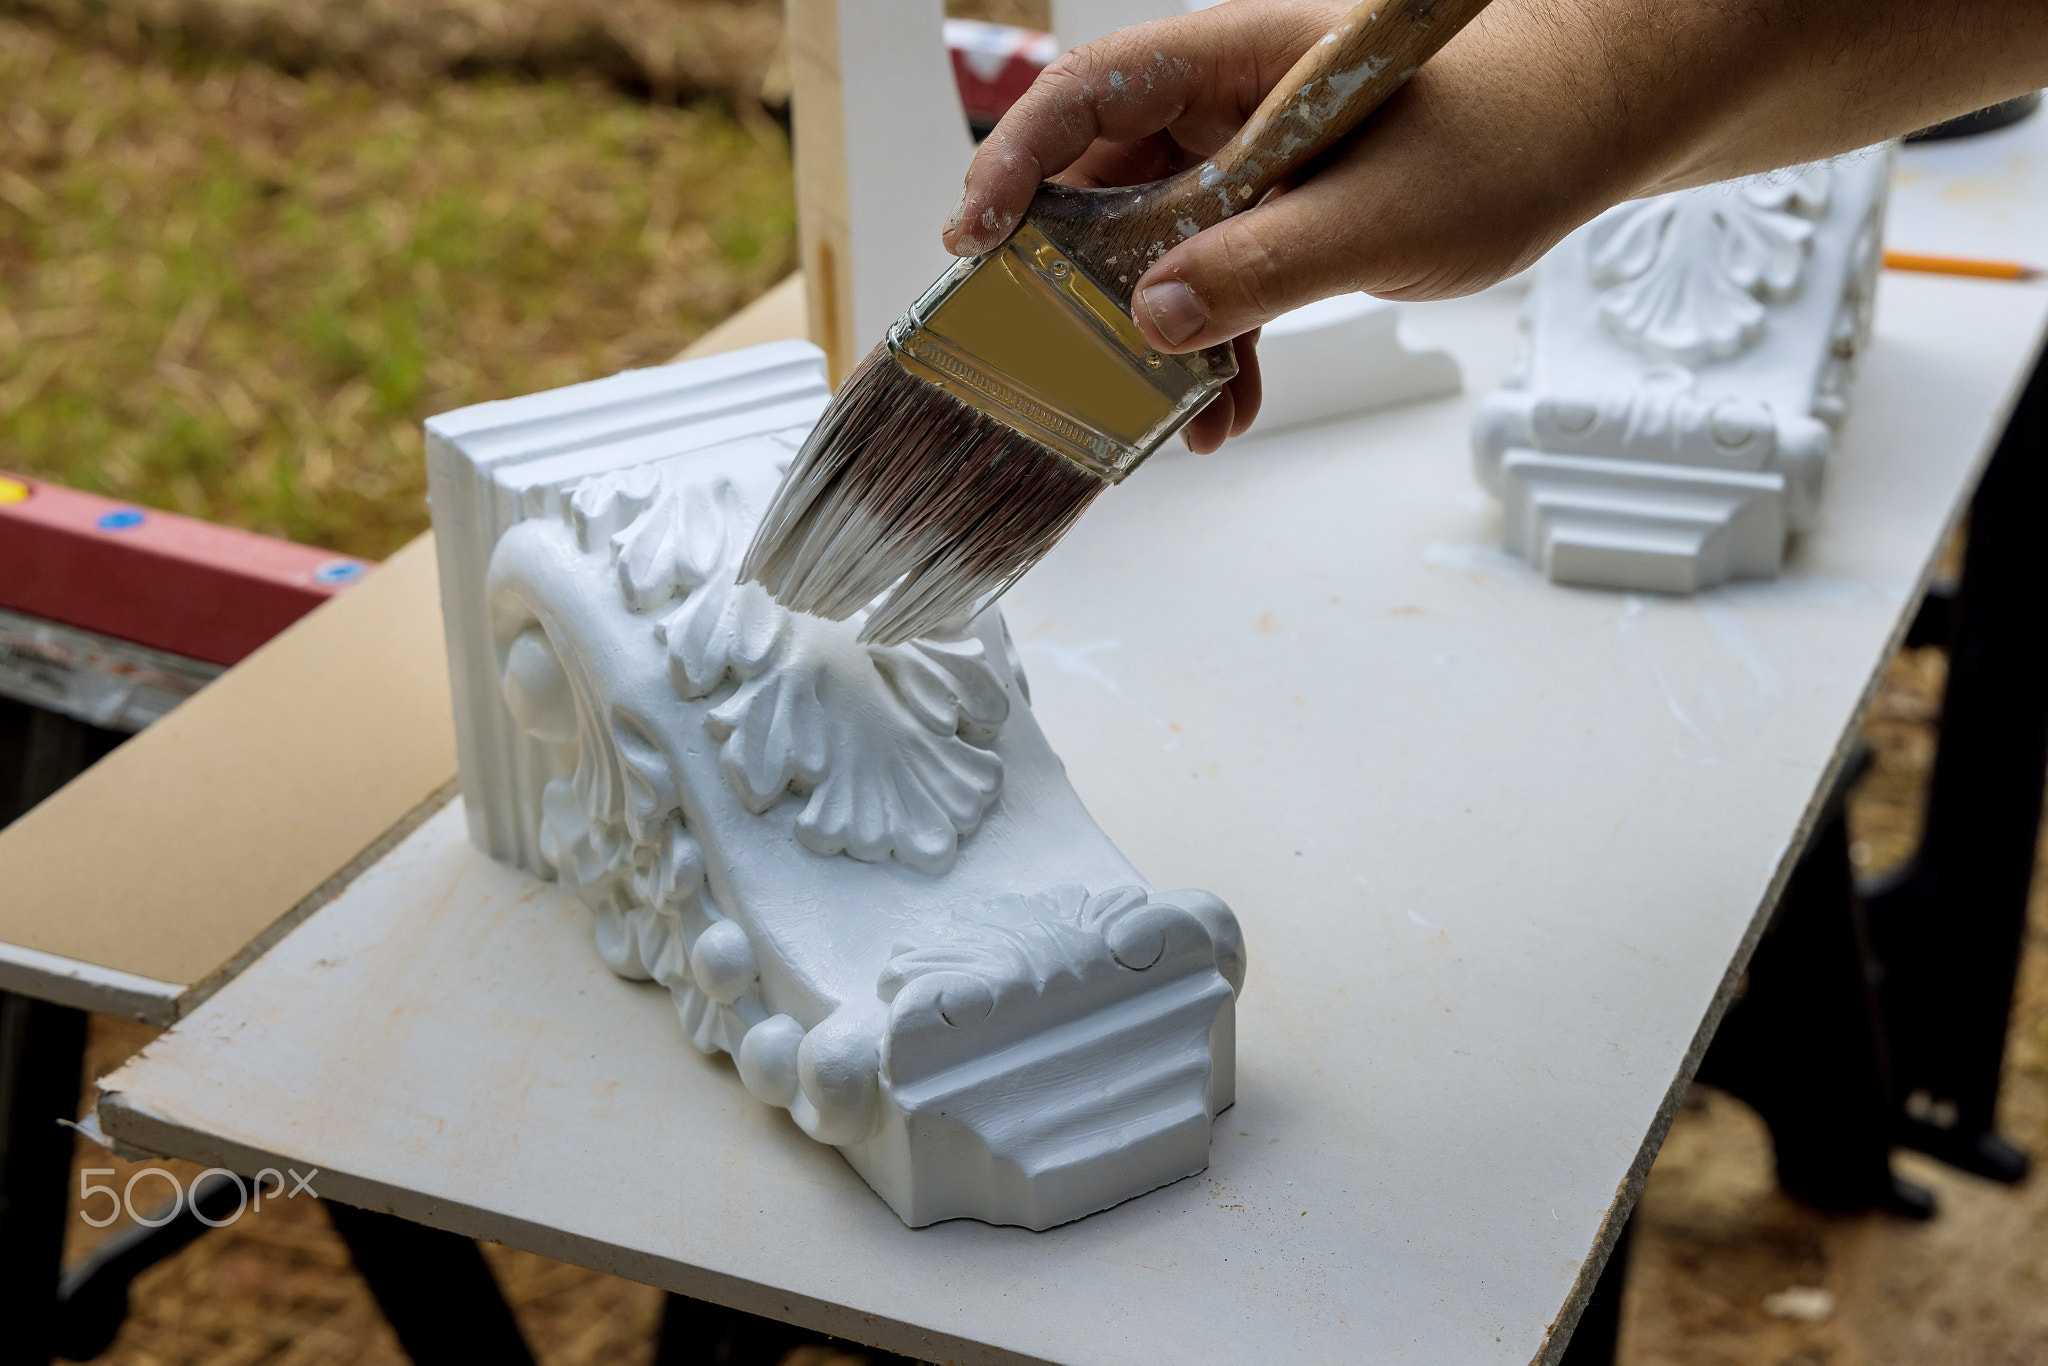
[723, 630]
[1687, 275]
[676, 550]
[947, 684]
[1030, 943]
[887, 744]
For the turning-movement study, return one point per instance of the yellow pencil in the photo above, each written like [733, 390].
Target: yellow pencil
[1959, 265]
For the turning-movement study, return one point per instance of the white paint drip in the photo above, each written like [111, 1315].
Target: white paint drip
[1633, 608]
[1671, 701]
[1734, 633]
[1473, 559]
[1073, 660]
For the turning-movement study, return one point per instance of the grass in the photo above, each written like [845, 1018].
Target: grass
[246, 246]
[235, 292]
[670, 48]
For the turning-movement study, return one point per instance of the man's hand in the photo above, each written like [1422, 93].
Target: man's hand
[1537, 117]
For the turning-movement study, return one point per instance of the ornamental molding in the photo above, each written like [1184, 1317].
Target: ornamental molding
[1688, 278]
[859, 870]
[1686, 366]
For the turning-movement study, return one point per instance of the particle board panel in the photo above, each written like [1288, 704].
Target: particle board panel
[153, 578]
[1500, 849]
[177, 858]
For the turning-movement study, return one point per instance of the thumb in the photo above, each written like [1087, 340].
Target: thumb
[1244, 272]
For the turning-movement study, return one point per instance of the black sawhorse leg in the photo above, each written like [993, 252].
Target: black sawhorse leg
[1806, 1045]
[1949, 929]
[92, 1297]
[42, 1055]
[696, 1333]
[42, 1059]
[434, 1287]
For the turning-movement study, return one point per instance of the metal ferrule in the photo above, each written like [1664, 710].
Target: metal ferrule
[1023, 335]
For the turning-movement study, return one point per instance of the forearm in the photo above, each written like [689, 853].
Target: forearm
[1545, 112]
[1537, 117]
[1702, 90]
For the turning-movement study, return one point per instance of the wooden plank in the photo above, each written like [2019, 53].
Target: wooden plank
[1500, 851]
[881, 143]
[818, 143]
[195, 845]
[172, 583]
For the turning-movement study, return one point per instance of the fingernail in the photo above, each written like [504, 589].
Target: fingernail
[959, 207]
[976, 236]
[1175, 310]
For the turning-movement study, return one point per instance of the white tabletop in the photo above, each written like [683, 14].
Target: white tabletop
[1985, 196]
[1498, 848]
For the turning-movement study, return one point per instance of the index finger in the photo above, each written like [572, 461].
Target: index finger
[1201, 74]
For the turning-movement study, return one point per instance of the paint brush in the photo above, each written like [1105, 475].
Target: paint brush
[1017, 388]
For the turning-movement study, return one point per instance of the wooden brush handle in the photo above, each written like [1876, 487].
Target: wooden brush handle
[1117, 233]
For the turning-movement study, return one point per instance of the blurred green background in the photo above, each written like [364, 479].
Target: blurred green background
[247, 245]
[245, 249]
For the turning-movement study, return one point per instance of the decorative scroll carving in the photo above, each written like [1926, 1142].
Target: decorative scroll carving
[887, 743]
[1710, 333]
[829, 854]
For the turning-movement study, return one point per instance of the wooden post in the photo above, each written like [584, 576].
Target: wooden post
[881, 146]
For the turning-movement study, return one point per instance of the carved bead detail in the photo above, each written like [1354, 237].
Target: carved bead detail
[960, 999]
[1226, 936]
[722, 962]
[1137, 942]
[767, 1060]
[836, 1066]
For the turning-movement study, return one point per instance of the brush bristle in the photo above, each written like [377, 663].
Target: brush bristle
[902, 488]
